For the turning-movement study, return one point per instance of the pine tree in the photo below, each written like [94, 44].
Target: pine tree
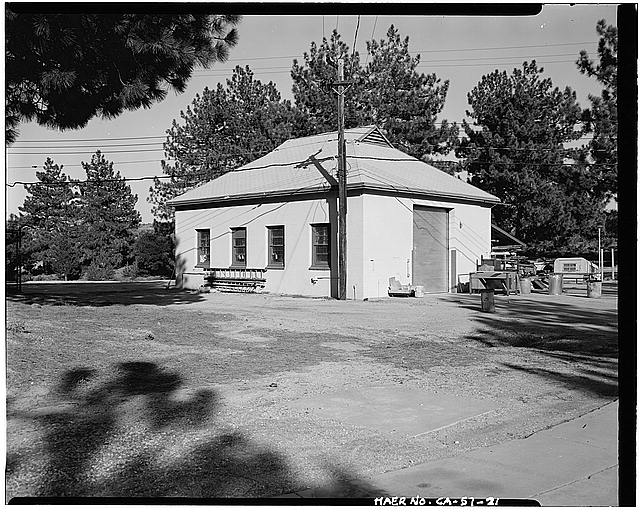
[387, 91]
[108, 215]
[64, 69]
[223, 129]
[516, 150]
[601, 119]
[50, 212]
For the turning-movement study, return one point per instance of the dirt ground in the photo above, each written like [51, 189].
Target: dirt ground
[136, 390]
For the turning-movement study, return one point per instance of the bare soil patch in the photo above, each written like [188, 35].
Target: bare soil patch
[144, 391]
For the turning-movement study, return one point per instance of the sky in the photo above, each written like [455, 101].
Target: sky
[460, 49]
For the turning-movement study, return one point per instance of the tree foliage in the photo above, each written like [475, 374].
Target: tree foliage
[517, 152]
[64, 69]
[74, 225]
[224, 128]
[154, 253]
[50, 214]
[387, 91]
[108, 215]
[601, 119]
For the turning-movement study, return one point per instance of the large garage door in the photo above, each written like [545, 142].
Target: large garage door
[430, 248]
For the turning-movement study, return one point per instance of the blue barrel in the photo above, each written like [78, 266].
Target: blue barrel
[525, 285]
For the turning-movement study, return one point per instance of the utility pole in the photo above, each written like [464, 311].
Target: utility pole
[19, 259]
[342, 190]
[613, 272]
[600, 261]
[342, 187]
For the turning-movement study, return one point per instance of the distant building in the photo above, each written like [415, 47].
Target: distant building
[277, 216]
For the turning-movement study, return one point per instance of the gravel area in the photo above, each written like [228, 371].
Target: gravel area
[143, 391]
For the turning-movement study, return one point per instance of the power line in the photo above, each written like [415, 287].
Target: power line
[284, 164]
[245, 153]
[549, 45]
[80, 165]
[423, 64]
[242, 153]
[506, 47]
[355, 39]
[37, 153]
[76, 146]
[103, 138]
[372, 32]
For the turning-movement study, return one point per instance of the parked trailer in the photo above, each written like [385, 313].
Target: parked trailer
[568, 266]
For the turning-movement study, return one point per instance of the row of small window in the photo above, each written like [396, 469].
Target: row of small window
[320, 249]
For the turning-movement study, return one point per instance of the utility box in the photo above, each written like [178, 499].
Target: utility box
[574, 266]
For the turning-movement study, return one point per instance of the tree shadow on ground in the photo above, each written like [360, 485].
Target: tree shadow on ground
[102, 294]
[552, 325]
[573, 335]
[596, 382]
[137, 433]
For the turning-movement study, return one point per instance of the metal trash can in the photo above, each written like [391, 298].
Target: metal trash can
[525, 285]
[487, 301]
[555, 284]
[418, 291]
[594, 289]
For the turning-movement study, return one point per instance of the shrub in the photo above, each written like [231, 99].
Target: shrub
[154, 254]
[43, 277]
[96, 272]
[128, 271]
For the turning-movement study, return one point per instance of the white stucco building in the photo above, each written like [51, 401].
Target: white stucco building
[405, 219]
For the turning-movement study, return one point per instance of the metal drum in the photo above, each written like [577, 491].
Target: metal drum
[594, 289]
[555, 284]
[525, 285]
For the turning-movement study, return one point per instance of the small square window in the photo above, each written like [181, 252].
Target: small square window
[238, 247]
[320, 246]
[203, 248]
[276, 246]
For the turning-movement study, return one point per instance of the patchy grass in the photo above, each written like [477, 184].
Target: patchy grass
[143, 391]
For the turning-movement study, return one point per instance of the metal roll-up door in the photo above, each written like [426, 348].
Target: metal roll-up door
[430, 248]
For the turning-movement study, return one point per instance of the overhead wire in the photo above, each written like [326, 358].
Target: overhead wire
[284, 164]
[54, 146]
[487, 61]
[355, 39]
[80, 165]
[244, 153]
[431, 50]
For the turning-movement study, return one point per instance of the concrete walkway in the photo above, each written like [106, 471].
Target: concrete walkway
[574, 463]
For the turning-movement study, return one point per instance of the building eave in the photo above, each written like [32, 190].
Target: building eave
[352, 187]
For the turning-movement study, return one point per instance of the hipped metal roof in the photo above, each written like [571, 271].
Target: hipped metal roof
[373, 164]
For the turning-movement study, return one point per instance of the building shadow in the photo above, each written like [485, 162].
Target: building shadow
[137, 433]
[101, 294]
